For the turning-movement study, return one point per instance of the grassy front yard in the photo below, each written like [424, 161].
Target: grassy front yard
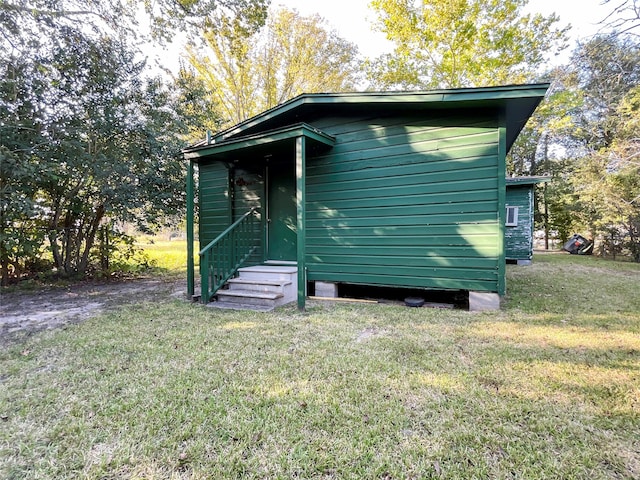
[170, 257]
[547, 388]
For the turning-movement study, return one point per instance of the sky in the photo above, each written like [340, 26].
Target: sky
[353, 20]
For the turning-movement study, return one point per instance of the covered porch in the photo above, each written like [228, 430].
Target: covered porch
[259, 190]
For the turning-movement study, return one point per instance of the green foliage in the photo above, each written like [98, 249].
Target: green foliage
[461, 43]
[560, 202]
[195, 105]
[20, 125]
[118, 253]
[23, 19]
[548, 128]
[302, 55]
[167, 257]
[606, 69]
[87, 139]
[106, 146]
[597, 184]
[609, 195]
[248, 72]
[607, 179]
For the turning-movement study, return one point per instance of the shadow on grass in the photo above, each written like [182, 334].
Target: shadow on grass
[178, 389]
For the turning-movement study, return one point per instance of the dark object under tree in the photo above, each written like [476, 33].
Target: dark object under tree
[578, 245]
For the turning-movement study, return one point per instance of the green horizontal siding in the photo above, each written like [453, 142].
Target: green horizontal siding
[431, 141]
[422, 259]
[396, 178]
[425, 240]
[453, 219]
[519, 239]
[441, 250]
[412, 211]
[388, 278]
[471, 156]
[214, 200]
[447, 186]
[406, 201]
[372, 201]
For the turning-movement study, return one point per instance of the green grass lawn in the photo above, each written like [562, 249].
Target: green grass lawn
[168, 257]
[549, 387]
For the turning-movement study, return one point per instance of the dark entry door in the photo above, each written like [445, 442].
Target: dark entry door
[281, 220]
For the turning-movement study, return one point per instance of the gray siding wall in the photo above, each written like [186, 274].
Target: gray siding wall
[519, 239]
[404, 201]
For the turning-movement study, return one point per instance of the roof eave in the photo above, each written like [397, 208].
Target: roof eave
[481, 94]
[531, 180]
[277, 135]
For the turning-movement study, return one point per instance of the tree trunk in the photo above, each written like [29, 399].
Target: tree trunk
[104, 248]
[634, 239]
[545, 217]
[90, 239]
[53, 235]
[4, 257]
[4, 267]
[55, 250]
[67, 243]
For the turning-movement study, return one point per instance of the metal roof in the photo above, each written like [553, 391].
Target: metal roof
[257, 140]
[531, 180]
[515, 103]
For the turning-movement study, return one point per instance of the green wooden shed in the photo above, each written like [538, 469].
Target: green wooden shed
[397, 189]
[519, 219]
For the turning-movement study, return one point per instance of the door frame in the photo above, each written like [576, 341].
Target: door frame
[268, 178]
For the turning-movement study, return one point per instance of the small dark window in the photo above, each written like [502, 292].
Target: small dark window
[512, 217]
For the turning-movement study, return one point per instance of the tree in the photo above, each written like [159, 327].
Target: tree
[229, 74]
[461, 43]
[21, 18]
[582, 135]
[624, 170]
[195, 105]
[86, 140]
[291, 55]
[539, 146]
[102, 142]
[533, 153]
[302, 55]
[21, 123]
[601, 182]
[606, 69]
[624, 18]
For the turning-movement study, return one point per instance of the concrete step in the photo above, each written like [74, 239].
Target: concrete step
[274, 286]
[239, 306]
[281, 263]
[261, 287]
[250, 297]
[268, 272]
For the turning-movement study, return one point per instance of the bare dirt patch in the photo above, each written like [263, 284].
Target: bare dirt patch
[23, 313]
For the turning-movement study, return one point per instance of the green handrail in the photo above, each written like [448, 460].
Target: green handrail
[223, 256]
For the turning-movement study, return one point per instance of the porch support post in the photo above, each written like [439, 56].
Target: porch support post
[190, 211]
[301, 216]
[502, 207]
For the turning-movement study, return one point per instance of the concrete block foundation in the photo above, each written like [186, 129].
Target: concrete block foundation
[483, 301]
[327, 290]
